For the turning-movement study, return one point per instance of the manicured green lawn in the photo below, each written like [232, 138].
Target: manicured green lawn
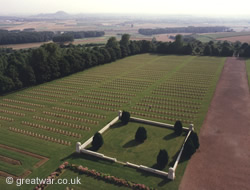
[177, 83]
[27, 162]
[119, 142]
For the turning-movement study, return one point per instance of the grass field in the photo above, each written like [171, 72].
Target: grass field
[27, 162]
[50, 118]
[120, 143]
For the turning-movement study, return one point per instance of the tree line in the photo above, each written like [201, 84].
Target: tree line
[28, 36]
[189, 29]
[23, 68]
[70, 35]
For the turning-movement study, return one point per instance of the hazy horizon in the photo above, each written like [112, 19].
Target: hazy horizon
[157, 7]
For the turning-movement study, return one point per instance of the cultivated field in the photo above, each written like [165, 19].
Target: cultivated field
[242, 39]
[49, 119]
[230, 36]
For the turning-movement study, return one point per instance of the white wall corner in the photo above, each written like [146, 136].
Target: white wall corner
[191, 127]
[78, 147]
[171, 173]
[120, 114]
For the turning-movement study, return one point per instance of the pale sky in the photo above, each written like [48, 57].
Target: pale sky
[193, 7]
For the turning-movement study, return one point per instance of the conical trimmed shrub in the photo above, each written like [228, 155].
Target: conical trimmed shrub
[141, 134]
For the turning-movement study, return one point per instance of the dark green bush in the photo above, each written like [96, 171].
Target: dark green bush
[178, 128]
[162, 158]
[125, 117]
[189, 149]
[141, 134]
[97, 141]
[195, 139]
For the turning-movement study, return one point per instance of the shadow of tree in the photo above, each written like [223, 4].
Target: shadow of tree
[131, 143]
[117, 125]
[76, 155]
[182, 159]
[164, 182]
[73, 156]
[156, 166]
[170, 136]
[93, 148]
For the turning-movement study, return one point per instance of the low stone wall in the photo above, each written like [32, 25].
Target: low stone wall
[105, 128]
[171, 172]
[132, 165]
[147, 169]
[80, 146]
[99, 155]
[180, 153]
[154, 171]
[159, 124]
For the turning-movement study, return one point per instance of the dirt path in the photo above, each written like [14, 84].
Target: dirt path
[223, 161]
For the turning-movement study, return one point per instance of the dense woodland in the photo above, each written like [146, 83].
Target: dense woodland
[25, 68]
[29, 36]
[189, 29]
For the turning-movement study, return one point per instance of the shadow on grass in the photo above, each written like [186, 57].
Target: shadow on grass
[182, 159]
[72, 156]
[156, 166]
[170, 136]
[131, 143]
[93, 148]
[164, 181]
[117, 125]
[76, 155]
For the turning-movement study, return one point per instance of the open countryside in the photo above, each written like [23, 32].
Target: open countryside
[106, 95]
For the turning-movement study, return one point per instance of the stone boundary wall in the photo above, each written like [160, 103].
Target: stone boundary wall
[99, 155]
[159, 124]
[105, 128]
[80, 148]
[171, 172]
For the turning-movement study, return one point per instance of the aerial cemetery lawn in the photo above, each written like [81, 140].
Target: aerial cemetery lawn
[49, 119]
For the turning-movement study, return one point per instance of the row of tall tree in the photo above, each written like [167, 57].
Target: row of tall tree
[189, 29]
[18, 37]
[7, 37]
[23, 68]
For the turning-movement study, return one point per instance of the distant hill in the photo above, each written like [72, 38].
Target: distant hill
[57, 15]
